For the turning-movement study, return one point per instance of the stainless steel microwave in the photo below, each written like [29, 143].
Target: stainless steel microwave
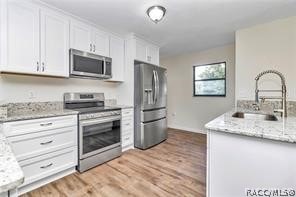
[88, 65]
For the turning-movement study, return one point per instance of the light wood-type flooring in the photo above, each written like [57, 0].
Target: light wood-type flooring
[176, 167]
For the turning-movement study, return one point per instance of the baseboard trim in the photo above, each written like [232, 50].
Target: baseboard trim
[201, 131]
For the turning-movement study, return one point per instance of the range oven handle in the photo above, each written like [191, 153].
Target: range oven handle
[99, 120]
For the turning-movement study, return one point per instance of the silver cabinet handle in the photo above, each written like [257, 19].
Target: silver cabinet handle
[94, 48]
[46, 166]
[46, 124]
[37, 66]
[90, 47]
[48, 142]
[43, 67]
[127, 124]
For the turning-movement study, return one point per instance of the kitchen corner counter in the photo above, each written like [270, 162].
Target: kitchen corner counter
[11, 175]
[282, 130]
[38, 114]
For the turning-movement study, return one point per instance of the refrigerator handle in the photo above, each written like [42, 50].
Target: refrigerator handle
[155, 87]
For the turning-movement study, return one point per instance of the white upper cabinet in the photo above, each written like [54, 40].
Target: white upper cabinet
[81, 36]
[146, 52]
[117, 55]
[153, 54]
[20, 26]
[86, 38]
[141, 50]
[100, 42]
[54, 44]
[35, 40]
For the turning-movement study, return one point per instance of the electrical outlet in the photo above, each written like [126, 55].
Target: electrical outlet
[174, 114]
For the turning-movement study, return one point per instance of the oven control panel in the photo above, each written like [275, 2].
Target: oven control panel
[99, 115]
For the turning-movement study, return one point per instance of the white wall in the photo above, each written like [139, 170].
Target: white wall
[192, 113]
[266, 46]
[19, 88]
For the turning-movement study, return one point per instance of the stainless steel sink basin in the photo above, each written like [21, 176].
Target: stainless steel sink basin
[254, 116]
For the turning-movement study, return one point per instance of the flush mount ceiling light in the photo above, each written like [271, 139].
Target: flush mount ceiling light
[156, 13]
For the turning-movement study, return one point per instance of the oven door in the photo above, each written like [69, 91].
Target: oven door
[99, 135]
[85, 64]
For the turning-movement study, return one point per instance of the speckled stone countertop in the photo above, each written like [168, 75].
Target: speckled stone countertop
[122, 106]
[11, 175]
[38, 114]
[32, 110]
[282, 130]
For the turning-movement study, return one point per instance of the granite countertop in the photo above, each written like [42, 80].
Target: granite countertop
[11, 175]
[282, 130]
[123, 106]
[19, 115]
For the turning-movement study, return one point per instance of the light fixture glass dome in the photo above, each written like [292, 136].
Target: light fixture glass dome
[156, 13]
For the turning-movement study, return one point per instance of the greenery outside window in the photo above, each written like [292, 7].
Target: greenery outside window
[209, 79]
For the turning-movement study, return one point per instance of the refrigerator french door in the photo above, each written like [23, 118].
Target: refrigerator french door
[150, 94]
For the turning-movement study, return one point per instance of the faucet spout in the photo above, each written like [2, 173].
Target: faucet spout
[283, 90]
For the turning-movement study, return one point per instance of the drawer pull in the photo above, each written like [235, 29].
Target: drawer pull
[127, 124]
[46, 124]
[126, 138]
[44, 143]
[46, 166]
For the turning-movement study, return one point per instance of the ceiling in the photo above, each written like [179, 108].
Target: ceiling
[189, 25]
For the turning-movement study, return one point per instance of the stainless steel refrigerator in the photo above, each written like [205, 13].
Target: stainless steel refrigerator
[150, 96]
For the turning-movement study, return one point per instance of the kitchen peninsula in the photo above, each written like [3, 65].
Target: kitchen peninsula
[246, 154]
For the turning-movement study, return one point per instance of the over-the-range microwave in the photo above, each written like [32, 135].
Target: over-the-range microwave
[88, 65]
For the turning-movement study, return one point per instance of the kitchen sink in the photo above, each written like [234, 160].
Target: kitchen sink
[254, 116]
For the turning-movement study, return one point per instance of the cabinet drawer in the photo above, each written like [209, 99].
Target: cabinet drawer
[127, 132]
[36, 125]
[127, 118]
[127, 124]
[46, 165]
[127, 139]
[31, 145]
[127, 112]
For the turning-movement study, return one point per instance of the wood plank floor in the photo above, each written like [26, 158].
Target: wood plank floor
[176, 167]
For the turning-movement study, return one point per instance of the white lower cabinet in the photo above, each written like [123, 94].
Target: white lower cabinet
[46, 151]
[43, 166]
[127, 128]
[35, 144]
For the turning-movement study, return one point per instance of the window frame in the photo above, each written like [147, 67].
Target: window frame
[213, 79]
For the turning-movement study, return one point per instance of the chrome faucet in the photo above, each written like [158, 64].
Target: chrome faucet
[283, 91]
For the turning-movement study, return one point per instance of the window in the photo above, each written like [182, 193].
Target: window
[209, 79]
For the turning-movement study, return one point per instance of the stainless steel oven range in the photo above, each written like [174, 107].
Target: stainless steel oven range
[99, 135]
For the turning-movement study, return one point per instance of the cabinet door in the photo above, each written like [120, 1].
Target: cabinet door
[117, 55]
[22, 38]
[54, 44]
[80, 36]
[153, 54]
[141, 50]
[100, 42]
